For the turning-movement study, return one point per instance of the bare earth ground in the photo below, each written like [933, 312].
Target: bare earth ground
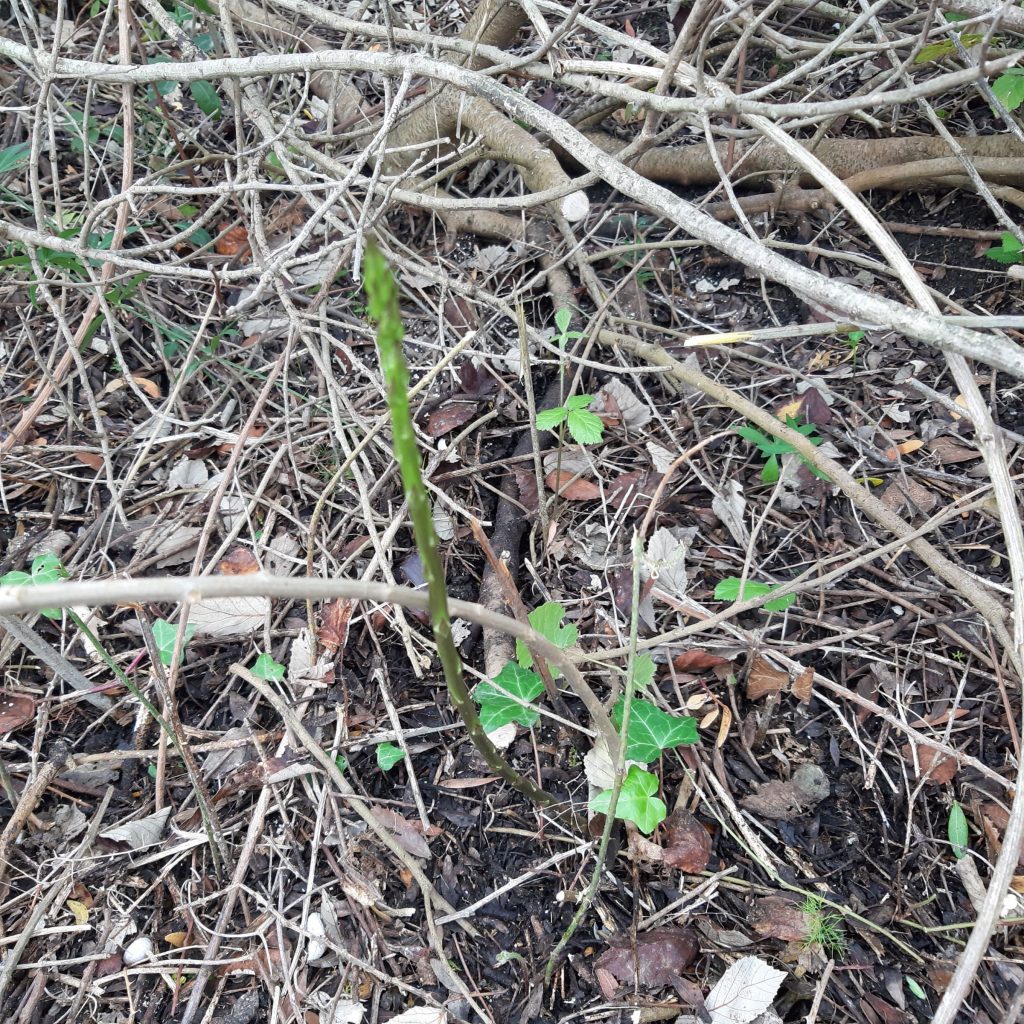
[220, 411]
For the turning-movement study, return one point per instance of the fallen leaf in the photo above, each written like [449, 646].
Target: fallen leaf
[150, 387]
[936, 767]
[571, 489]
[775, 917]
[697, 661]
[904, 448]
[334, 620]
[89, 459]
[662, 954]
[229, 616]
[723, 727]
[744, 992]
[141, 832]
[617, 398]
[665, 560]
[239, 562]
[814, 408]
[634, 489]
[729, 506]
[449, 417]
[687, 843]
[803, 685]
[421, 1015]
[909, 494]
[79, 911]
[526, 485]
[948, 452]
[787, 800]
[16, 710]
[232, 240]
[409, 837]
[764, 679]
[176, 939]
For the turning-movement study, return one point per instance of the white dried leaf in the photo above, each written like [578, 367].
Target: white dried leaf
[345, 1012]
[635, 414]
[301, 668]
[729, 506]
[503, 736]
[188, 474]
[665, 561]
[443, 525]
[744, 992]
[219, 763]
[171, 546]
[491, 257]
[54, 543]
[316, 947]
[229, 616]
[282, 555]
[460, 631]
[570, 462]
[141, 832]
[661, 458]
[422, 1015]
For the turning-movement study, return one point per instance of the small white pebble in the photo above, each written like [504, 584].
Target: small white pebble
[137, 951]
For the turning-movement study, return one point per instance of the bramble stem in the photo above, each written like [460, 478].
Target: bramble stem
[382, 301]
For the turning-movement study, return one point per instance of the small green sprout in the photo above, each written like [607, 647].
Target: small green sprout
[824, 928]
[772, 447]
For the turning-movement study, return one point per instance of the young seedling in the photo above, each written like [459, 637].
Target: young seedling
[732, 588]
[637, 801]
[45, 568]
[957, 830]
[772, 447]
[585, 427]
[266, 668]
[824, 928]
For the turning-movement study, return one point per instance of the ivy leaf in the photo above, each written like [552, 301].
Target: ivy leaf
[729, 590]
[956, 827]
[45, 568]
[1009, 88]
[549, 419]
[1009, 249]
[586, 427]
[652, 730]
[265, 667]
[206, 98]
[164, 633]
[497, 708]
[636, 803]
[388, 755]
[547, 620]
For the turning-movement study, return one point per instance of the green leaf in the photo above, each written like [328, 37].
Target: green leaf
[652, 730]
[551, 418]
[342, 762]
[563, 317]
[729, 590]
[935, 51]
[267, 668]
[497, 708]
[643, 671]
[206, 98]
[636, 803]
[45, 568]
[1008, 250]
[547, 620]
[578, 402]
[915, 988]
[14, 157]
[585, 427]
[388, 755]
[1009, 88]
[770, 472]
[956, 827]
[165, 633]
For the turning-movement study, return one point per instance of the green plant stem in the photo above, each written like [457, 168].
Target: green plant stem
[620, 769]
[382, 299]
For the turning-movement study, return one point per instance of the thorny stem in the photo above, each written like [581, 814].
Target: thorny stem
[382, 300]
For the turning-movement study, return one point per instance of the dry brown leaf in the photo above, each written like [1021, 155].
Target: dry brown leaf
[904, 448]
[787, 800]
[449, 417]
[334, 619]
[709, 718]
[229, 616]
[936, 767]
[232, 241]
[16, 710]
[662, 954]
[687, 843]
[803, 685]
[948, 452]
[764, 679]
[90, 459]
[239, 562]
[697, 661]
[150, 387]
[405, 832]
[571, 489]
[776, 917]
[723, 727]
